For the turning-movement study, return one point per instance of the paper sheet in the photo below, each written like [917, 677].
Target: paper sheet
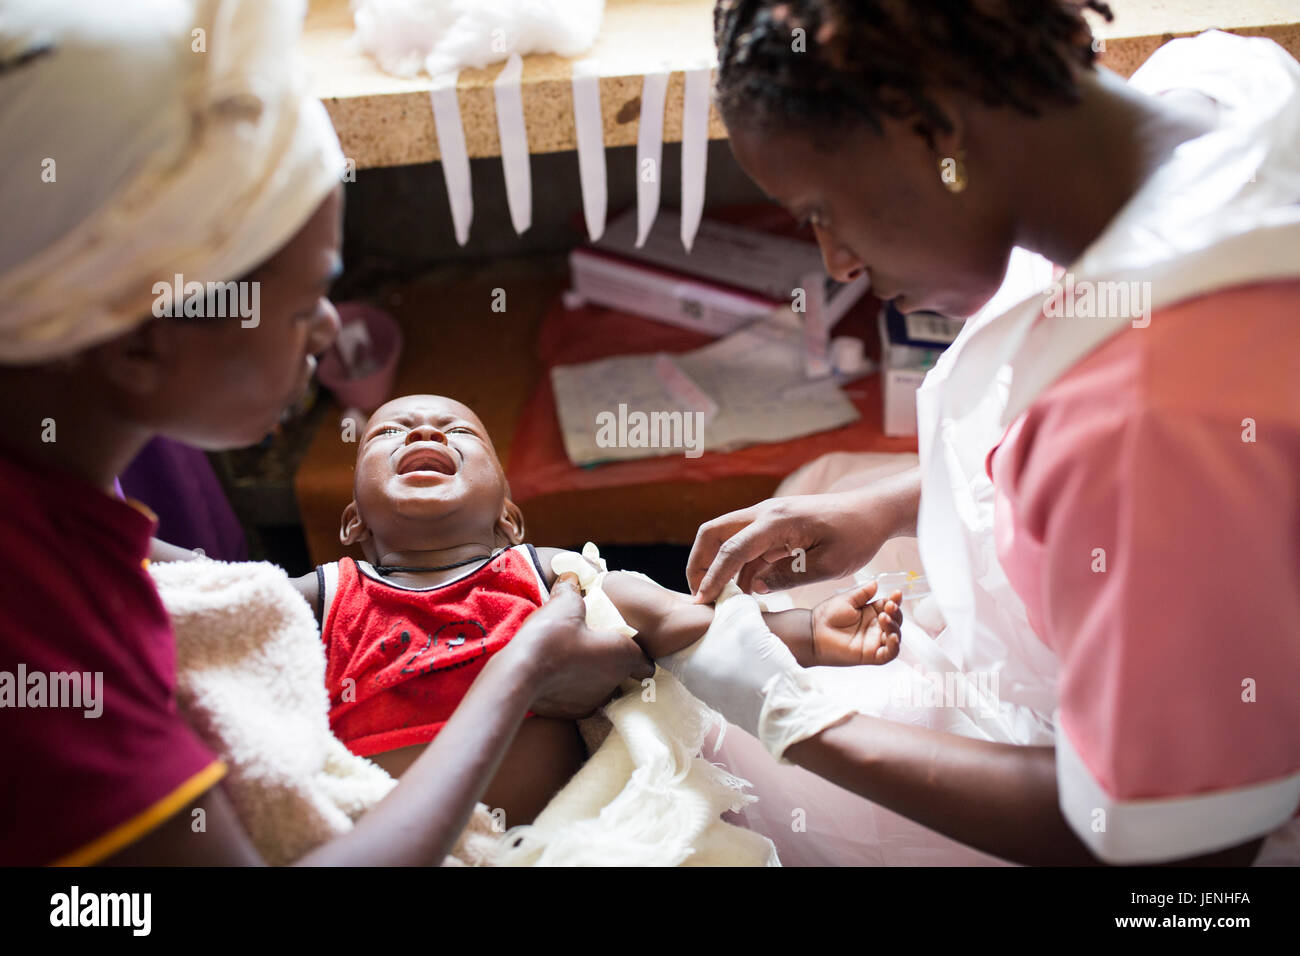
[754, 378]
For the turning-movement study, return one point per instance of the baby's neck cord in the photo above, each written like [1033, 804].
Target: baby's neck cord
[386, 569]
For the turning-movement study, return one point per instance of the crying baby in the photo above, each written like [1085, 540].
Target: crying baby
[448, 579]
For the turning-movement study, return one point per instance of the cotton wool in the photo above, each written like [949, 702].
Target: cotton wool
[440, 36]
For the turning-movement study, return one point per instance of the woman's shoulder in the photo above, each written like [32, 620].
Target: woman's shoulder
[1211, 361]
[1174, 403]
[88, 669]
[1238, 342]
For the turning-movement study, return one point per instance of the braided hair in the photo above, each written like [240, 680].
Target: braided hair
[818, 64]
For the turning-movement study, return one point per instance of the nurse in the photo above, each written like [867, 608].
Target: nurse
[1108, 497]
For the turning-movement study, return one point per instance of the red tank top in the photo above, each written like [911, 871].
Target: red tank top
[400, 660]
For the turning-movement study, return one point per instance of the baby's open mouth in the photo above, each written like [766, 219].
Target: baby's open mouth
[427, 457]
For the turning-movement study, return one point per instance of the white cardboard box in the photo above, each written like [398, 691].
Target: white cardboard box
[904, 360]
[731, 276]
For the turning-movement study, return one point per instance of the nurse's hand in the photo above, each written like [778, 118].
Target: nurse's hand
[799, 539]
[571, 669]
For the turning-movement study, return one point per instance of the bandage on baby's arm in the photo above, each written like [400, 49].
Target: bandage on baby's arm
[667, 621]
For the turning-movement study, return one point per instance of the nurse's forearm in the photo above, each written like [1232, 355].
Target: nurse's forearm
[998, 798]
[896, 500]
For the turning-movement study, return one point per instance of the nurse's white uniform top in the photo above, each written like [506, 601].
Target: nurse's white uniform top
[1224, 211]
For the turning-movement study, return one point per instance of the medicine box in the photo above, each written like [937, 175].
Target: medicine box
[909, 346]
[731, 276]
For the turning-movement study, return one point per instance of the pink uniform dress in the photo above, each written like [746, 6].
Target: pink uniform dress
[1148, 515]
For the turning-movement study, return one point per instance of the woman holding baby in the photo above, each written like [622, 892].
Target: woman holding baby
[1087, 486]
[215, 166]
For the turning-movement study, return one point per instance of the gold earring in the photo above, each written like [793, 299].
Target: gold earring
[952, 172]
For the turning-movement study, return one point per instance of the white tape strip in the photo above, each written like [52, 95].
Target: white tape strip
[816, 327]
[649, 152]
[455, 157]
[514, 143]
[695, 150]
[589, 124]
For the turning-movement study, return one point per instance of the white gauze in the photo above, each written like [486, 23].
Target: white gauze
[646, 797]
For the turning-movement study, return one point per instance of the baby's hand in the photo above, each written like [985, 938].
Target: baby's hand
[849, 629]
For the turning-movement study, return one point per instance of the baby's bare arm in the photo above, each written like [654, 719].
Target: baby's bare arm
[667, 621]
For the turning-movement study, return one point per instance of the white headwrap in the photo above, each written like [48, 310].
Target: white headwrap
[179, 136]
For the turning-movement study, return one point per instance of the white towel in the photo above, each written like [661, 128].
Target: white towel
[251, 680]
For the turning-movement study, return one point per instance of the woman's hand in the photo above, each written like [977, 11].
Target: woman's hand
[782, 542]
[572, 669]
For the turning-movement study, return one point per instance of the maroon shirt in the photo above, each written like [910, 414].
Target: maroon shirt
[79, 615]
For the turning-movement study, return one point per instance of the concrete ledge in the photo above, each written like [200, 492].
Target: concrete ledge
[387, 121]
